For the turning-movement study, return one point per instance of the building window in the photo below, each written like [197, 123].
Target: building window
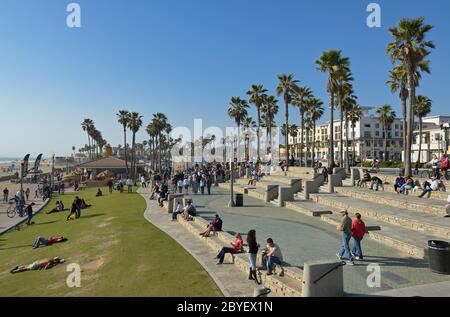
[377, 126]
[367, 125]
[377, 133]
[367, 134]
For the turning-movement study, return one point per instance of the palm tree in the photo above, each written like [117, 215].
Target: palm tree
[248, 124]
[87, 126]
[354, 115]
[329, 62]
[410, 48]
[347, 104]
[423, 108]
[344, 93]
[256, 95]
[269, 110]
[315, 112]
[386, 118]
[123, 117]
[398, 82]
[238, 112]
[134, 124]
[160, 123]
[299, 100]
[287, 86]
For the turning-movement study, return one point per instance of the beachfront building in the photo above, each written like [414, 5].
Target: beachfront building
[367, 143]
[435, 136]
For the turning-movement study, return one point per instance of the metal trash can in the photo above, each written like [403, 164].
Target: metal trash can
[239, 200]
[439, 256]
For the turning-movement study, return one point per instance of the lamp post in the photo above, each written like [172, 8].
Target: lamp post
[231, 203]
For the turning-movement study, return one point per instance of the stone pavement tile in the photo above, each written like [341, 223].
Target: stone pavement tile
[303, 238]
[230, 280]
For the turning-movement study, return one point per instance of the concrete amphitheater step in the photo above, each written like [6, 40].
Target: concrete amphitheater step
[421, 222]
[288, 285]
[411, 203]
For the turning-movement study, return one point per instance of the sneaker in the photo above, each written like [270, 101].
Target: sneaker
[338, 256]
[351, 262]
[268, 273]
[360, 258]
[219, 263]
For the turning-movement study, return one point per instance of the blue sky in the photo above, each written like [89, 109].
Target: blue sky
[185, 58]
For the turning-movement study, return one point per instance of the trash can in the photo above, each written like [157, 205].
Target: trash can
[239, 200]
[439, 256]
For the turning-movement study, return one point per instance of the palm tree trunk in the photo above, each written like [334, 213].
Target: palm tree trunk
[353, 142]
[347, 163]
[341, 136]
[259, 130]
[412, 102]
[159, 151]
[420, 140]
[313, 145]
[331, 132]
[405, 115]
[286, 137]
[89, 142]
[125, 144]
[385, 142]
[302, 120]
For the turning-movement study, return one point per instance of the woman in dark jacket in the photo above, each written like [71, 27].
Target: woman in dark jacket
[252, 252]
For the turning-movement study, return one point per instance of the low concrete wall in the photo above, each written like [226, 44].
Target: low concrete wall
[330, 285]
[285, 194]
[340, 171]
[334, 180]
[296, 184]
[171, 204]
[271, 192]
[355, 176]
[311, 187]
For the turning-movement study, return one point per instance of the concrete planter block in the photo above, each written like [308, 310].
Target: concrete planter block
[330, 285]
[271, 192]
[285, 194]
[171, 203]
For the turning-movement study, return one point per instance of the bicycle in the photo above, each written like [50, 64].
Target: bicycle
[427, 173]
[13, 210]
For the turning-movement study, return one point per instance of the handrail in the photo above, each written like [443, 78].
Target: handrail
[331, 270]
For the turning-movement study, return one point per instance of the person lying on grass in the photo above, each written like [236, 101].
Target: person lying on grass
[215, 225]
[44, 264]
[49, 242]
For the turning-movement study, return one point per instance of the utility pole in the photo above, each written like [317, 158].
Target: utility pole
[231, 203]
[22, 170]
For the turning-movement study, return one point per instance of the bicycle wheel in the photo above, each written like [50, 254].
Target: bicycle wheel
[11, 211]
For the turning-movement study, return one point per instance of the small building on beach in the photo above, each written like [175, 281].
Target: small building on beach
[111, 164]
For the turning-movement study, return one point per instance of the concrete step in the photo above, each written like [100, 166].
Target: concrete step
[288, 285]
[426, 223]
[411, 203]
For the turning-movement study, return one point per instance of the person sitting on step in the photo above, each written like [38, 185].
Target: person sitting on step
[214, 226]
[274, 256]
[399, 181]
[236, 247]
[377, 182]
[429, 186]
[366, 179]
[408, 185]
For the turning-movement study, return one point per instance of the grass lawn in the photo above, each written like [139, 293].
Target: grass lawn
[119, 251]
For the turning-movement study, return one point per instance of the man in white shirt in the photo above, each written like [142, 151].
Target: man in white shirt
[130, 185]
[429, 186]
[274, 256]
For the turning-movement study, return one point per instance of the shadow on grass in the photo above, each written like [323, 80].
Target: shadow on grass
[92, 216]
[45, 223]
[17, 247]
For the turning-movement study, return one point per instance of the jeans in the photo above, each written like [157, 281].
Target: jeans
[30, 215]
[222, 253]
[180, 189]
[202, 189]
[427, 190]
[272, 260]
[78, 212]
[252, 259]
[110, 189]
[345, 248]
[174, 215]
[357, 251]
[39, 241]
[405, 187]
[130, 188]
[209, 190]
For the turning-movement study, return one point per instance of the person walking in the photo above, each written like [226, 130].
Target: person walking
[358, 232]
[180, 186]
[27, 193]
[143, 183]
[29, 211]
[208, 184]
[5, 194]
[110, 185]
[130, 185]
[252, 252]
[346, 228]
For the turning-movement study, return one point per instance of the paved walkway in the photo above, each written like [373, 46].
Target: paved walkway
[304, 238]
[230, 280]
[5, 221]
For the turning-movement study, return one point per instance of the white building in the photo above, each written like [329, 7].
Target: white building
[368, 140]
[434, 140]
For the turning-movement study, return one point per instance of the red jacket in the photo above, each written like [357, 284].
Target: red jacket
[358, 228]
